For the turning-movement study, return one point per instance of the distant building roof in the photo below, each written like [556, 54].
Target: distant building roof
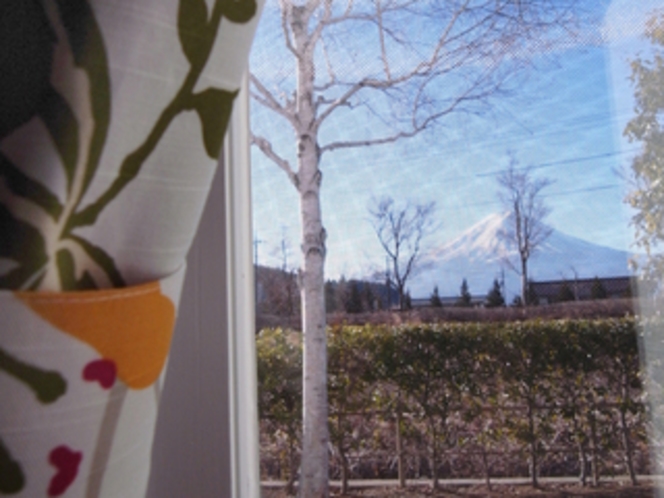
[582, 288]
[447, 301]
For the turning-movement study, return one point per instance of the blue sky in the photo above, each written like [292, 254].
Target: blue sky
[565, 121]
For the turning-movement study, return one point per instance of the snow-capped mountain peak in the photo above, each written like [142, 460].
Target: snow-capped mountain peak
[483, 252]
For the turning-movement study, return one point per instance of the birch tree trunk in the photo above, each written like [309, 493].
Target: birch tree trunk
[315, 436]
[524, 281]
[315, 432]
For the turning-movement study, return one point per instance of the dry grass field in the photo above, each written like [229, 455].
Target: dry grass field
[606, 308]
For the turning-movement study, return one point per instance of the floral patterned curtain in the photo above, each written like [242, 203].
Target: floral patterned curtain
[112, 115]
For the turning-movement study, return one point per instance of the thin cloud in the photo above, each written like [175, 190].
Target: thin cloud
[627, 19]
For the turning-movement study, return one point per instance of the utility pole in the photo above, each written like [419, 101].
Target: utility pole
[387, 283]
[257, 288]
[257, 241]
[502, 283]
[284, 255]
[576, 284]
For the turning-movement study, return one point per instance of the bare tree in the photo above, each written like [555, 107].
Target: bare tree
[399, 66]
[521, 195]
[277, 287]
[400, 230]
[289, 289]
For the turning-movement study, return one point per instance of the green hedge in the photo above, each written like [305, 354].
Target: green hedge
[541, 397]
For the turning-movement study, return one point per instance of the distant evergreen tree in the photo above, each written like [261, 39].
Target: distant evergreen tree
[407, 301]
[354, 302]
[495, 297]
[330, 297]
[533, 298]
[369, 297]
[435, 298]
[341, 294]
[465, 299]
[598, 291]
[380, 299]
[565, 292]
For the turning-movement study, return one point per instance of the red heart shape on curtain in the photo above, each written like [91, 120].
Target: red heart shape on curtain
[103, 371]
[66, 461]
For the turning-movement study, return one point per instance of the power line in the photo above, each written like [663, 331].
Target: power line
[573, 160]
[554, 194]
[583, 190]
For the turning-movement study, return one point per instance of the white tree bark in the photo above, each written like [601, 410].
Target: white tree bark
[314, 467]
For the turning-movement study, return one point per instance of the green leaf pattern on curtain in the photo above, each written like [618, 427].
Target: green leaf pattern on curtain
[75, 29]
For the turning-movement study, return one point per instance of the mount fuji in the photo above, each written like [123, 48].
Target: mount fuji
[479, 255]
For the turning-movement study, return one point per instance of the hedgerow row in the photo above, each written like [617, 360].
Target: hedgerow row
[459, 400]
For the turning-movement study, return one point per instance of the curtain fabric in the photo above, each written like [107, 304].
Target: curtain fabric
[112, 115]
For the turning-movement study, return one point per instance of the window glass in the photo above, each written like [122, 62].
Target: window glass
[485, 174]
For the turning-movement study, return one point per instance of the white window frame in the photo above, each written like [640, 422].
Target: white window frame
[206, 441]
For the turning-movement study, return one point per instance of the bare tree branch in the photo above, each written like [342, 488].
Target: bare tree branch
[266, 148]
[285, 6]
[415, 129]
[267, 99]
[343, 100]
[520, 193]
[368, 142]
[330, 70]
[400, 230]
[425, 69]
[381, 39]
[322, 23]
